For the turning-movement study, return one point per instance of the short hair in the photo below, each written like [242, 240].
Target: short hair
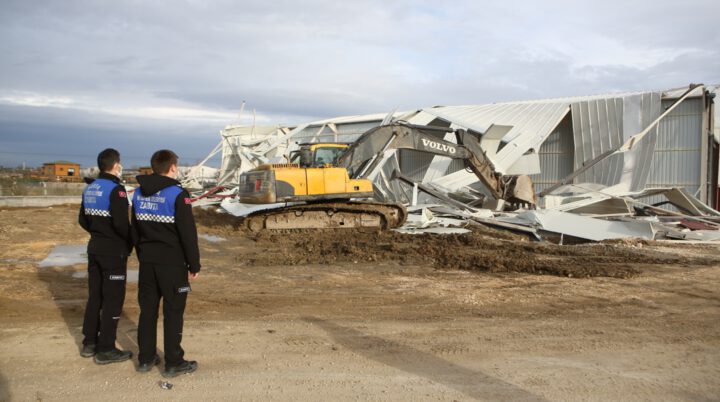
[162, 160]
[107, 159]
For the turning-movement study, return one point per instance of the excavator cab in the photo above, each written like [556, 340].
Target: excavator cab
[311, 176]
[317, 155]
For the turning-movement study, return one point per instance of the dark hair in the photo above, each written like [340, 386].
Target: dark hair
[107, 159]
[162, 160]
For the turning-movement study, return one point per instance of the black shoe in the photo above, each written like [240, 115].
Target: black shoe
[87, 350]
[145, 367]
[113, 356]
[186, 367]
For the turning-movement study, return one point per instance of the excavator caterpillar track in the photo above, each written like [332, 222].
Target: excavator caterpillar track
[329, 215]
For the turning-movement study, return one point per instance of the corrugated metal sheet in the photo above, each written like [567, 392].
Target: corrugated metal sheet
[347, 128]
[676, 160]
[234, 137]
[346, 132]
[675, 93]
[532, 122]
[715, 90]
[362, 118]
[414, 164]
[637, 161]
[597, 127]
[556, 156]
[600, 125]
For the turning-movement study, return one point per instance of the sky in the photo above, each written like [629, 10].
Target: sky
[79, 76]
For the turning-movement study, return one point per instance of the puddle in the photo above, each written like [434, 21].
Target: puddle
[211, 238]
[132, 275]
[64, 255]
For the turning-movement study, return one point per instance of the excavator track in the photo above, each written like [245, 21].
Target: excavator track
[330, 215]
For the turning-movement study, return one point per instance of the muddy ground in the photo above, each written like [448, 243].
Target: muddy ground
[355, 315]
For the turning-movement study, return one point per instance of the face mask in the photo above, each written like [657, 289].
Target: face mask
[120, 168]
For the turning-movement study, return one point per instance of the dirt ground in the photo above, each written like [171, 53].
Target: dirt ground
[351, 315]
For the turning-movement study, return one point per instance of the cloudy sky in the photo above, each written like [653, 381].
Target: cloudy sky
[78, 76]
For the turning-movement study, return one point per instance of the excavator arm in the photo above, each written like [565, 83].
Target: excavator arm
[364, 155]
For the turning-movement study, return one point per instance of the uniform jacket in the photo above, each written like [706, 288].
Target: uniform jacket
[104, 214]
[164, 229]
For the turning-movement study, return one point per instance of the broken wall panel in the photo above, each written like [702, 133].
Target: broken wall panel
[588, 228]
[603, 124]
[636, 166]
[676, 161]
[593, 136]
[245, 147]
[556, 156]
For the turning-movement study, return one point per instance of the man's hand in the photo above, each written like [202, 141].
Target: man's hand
[192, 276]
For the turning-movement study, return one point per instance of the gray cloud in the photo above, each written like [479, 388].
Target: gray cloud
[38, 134]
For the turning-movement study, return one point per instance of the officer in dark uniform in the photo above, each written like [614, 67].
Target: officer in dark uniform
[167, 247]
[104, 214]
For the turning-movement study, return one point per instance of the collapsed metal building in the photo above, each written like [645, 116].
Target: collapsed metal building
[549, 139]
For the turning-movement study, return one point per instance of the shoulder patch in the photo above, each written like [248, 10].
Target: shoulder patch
[122, 194]
[188, 200]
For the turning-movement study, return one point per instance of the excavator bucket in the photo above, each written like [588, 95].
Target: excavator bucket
[522, 190]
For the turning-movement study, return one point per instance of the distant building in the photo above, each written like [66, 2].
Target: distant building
[145, 170]
[128, 176]
[61, 170]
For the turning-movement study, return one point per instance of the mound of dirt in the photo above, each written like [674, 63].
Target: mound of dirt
[484, 249]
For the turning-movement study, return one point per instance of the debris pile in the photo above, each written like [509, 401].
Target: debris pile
[590, 216]
[593, 161]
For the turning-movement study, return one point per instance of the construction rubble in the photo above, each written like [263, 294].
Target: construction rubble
[638, 165]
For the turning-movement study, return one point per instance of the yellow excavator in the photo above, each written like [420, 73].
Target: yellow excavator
[324, 191]
[324, 185]
[310, 176]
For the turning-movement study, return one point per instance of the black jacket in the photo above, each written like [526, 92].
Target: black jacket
[109, 235]
[164, 242]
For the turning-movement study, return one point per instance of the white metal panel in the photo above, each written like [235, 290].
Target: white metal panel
[588, 228]
[594, 135]
[600, 125]
[531, 122]
[556, 156]
[676, 160]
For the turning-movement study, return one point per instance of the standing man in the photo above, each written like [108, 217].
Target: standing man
[167, 247]
[104, 214]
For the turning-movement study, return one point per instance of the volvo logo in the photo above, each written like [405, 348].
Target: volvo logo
[436, 145]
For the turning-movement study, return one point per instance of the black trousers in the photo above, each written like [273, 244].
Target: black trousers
[169, 283]
[107, 275]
